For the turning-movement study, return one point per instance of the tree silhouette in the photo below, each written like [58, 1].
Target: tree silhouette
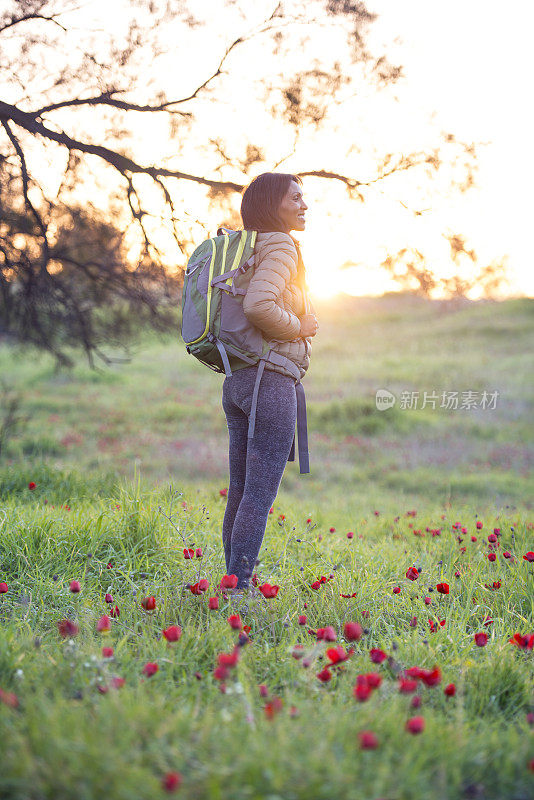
[87, 258]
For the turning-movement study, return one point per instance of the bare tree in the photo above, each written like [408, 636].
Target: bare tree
[78, 271]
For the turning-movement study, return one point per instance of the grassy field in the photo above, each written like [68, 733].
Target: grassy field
[117, 473]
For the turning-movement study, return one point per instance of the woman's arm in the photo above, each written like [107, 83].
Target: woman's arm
[274, 272]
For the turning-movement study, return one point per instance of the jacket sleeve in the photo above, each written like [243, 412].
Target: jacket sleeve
[261, 304]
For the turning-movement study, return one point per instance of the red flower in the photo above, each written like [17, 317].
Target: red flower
[108, 598]
[213, 603]
[189, 552]
[396, 590]
[223, 492]
[201, 586]
[149, 603]
[115, 612]
[352, 631]
[171, 781]
[413, 622]
[228, 581]
[172, 633]
[9, 698]
[415, 725]
[507, 554]
[431, 677]
[529, 556]
[31, 485]
[361, 691]
[235, 621]
[264, 692]
[338, 654]
[324, 675]
[523, 642]
[377, 655]
[328, 634]
[117, 682]
[481, 639]
[450, 690]
[104, 624]
[273, 707]
[107, 652]
[350, 535]
[428, 601]
[302, 619]
[150, 669]
[298, 651]
[268, 591]
[332, 530]
[491, 556]
[412, 574]
[415, 702]
[479, 524]
[3, 587]
[228, 659]
[373, 679]
[75, 586]
[198, 552]
[492, 538]
[407, 685]
[368, 740]
[443, 588]
[67, 628]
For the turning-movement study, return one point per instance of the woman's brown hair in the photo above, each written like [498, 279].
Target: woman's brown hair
[259, 208]
[261, 200]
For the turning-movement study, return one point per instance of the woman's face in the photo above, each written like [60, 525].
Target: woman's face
[291, 209]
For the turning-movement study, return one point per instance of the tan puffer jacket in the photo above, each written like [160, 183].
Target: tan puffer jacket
[274, 302]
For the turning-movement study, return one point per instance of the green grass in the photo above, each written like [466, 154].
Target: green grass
[128, 465]
[66, 735]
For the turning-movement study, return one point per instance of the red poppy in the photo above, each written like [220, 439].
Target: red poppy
[104, 624]
[373, 679]
[198, 552]
[338, 654]
[481, 639]
[443, 588]
[407, 685]
[9, 698]
[107, 652]
[377, 655]
[67, 628]
[350, 535]
[302, 619]
[324, 675]
[75, 586]
[352, 631]
[172, 633]
[479, 524]
[149, 603]
[431, 677]
[412, 574]
[3, 587]
[368, 740]
[117, 682]
[228, 581]
[361, 691]
[413, 622]
[491, 557]
[235, 621]
[529, 556]
[332, 530]
[450, 690]
[228, 659]
[396, 590]
[108, 598]
[189, 552]
[31, 485]
[115, 612]
[273, 707]
[264, 692]
[223, 492]
[269, 591]
[150, 669]
[171, 781]
[415, 725]
[201, 586]
[328, 634]
[492, 538]
[523, 642]
[213, 603]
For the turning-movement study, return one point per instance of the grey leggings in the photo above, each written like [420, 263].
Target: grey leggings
[256, 468]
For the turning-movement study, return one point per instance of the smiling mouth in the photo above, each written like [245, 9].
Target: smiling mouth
[300, 216]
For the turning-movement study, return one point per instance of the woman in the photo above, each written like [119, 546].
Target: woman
[276, 302]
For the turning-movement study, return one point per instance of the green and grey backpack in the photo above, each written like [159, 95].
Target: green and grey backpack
[215, 329]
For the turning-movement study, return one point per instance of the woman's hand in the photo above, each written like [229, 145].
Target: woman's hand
[308, 325]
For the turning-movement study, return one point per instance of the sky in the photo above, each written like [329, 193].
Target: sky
[466, 66]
